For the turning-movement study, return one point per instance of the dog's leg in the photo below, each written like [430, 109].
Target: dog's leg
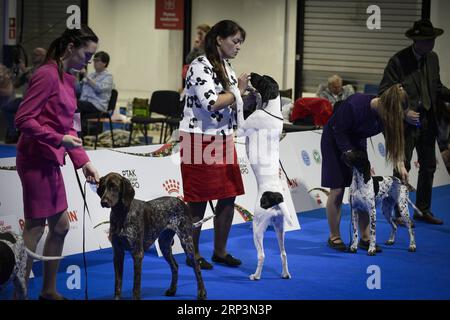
[355, 235]
[260, 224]
[387, 207]
[165, 241]
[372, 224]
[187, 243]
[118, 271]
[279, 229]
[403, 206]
[20, 288]
[138, 256]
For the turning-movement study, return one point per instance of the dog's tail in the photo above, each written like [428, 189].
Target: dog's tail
[39, 257]
[285, 211]
[199, 223]
[414, 206]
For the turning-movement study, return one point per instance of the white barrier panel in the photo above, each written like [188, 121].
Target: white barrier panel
[302, 159]
[151, 177]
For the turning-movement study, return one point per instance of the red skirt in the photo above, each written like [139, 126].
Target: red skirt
[209, 167]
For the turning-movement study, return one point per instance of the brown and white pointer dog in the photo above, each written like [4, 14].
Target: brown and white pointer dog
[136, 224]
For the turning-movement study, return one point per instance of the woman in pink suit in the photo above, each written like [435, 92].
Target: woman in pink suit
[45, 119]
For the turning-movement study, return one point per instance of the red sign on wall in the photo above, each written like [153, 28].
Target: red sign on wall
[169, 14]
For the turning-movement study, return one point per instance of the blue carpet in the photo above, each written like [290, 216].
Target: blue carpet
[7, 151]
[318, 272]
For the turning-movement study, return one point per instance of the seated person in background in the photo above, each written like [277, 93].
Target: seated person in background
[37, 58]
[6, 98]
[335, 91]
[20, 83]
[198, 48]
[95, 89]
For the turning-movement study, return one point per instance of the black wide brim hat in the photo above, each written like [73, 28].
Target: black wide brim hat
[423, 30]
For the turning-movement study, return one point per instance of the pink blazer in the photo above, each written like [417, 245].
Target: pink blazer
[46, 115]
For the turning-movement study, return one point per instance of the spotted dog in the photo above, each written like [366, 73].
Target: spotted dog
[136, 224]
[367, 193]
[263, 129]
[13, 262]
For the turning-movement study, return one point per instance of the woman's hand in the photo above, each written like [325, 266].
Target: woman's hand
[91, 173]
[243, 82]
[413, 117]
[70, 142]
[403, 173]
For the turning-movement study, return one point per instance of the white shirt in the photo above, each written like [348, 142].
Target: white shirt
[202, 91]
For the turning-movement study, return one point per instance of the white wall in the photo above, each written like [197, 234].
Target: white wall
[269, 47]
[143, 59]
[440, 10]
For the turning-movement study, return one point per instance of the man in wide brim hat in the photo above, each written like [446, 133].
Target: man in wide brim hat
[423, 30]
[417, 69]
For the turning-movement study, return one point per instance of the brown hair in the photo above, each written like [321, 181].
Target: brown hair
[391, 113]
[223, 29]
[79, 37]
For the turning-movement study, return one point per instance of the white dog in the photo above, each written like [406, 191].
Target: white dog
[263, 129]
[13, 262]
[367, 193]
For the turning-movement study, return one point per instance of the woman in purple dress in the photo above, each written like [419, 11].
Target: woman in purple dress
[45, 119]
[353, 121]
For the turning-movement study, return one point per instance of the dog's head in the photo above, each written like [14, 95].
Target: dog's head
[358, 159]
[265, 85]
[113, 189]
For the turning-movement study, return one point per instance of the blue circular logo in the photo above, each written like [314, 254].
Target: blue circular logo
[382, 149]
[305, 157]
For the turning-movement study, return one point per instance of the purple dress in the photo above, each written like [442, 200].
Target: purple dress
[44, 117]
[352, 122]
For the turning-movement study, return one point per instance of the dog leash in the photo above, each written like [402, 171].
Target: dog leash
[85, 208]
[272, 114]
[199, 223]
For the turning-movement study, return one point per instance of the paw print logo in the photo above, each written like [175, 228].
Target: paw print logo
[207, 70]
[200, 59]
[172, 186]
[233, 80]
[193, 123]
[188, 82]
[217, 116]
[199, 81]
[193, 100]
[208, 94]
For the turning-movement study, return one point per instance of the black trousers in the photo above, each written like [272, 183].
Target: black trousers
[423, 139]
[87, 110]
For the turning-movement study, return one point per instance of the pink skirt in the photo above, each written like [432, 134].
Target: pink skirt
[43, 190]
[209, 168]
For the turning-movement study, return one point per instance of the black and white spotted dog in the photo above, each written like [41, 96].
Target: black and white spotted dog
[367, 193]
[262, 130]
[135, 225]
[13, 262]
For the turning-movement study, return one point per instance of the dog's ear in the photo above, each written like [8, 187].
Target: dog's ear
[272, 89]
[101, 187]
[255, 79]
[127, 192]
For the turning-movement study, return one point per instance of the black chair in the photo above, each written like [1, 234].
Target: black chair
[162, 102]
[105, 114]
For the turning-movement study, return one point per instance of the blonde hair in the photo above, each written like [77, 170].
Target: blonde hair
[204, 27]
[391, 113]
[334, 78]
